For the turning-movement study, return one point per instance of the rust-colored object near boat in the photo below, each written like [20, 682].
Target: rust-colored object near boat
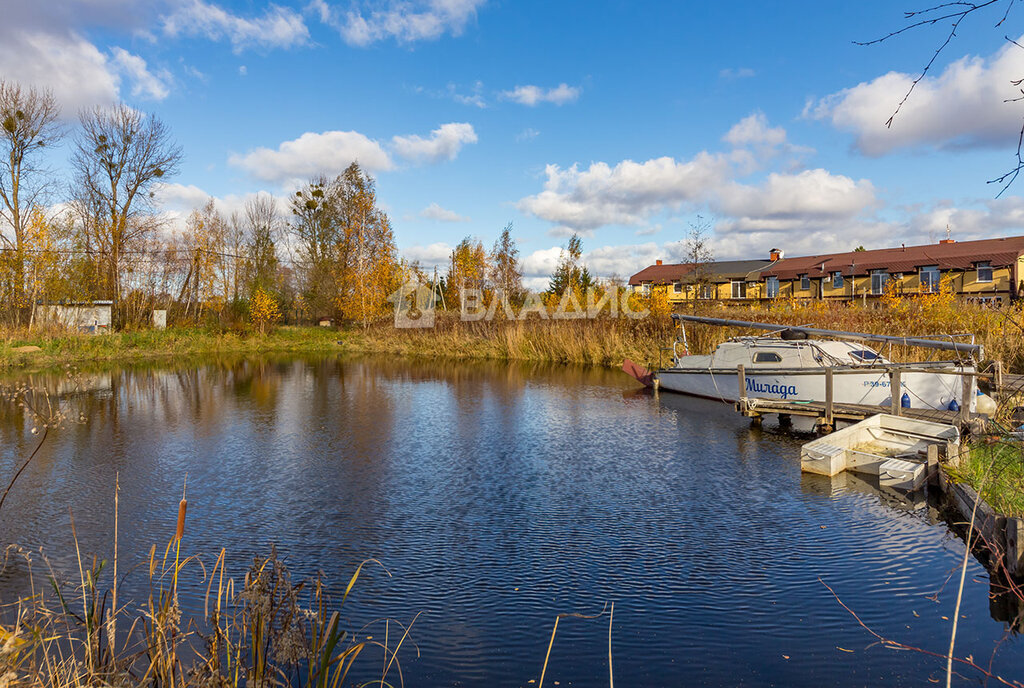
[641, 374]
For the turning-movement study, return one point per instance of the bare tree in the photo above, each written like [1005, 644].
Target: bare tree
[698, 254]
[263, 225]
[506, 271]
[120, 156]
[954, 14]
[28, 123]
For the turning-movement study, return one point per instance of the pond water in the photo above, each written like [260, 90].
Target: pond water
[499, 496]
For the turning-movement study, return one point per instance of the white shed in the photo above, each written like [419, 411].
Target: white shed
[93, 317]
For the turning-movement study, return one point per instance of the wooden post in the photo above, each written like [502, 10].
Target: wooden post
[1014, 547]
[829, 411]
[965, 402]
[932, 467]
[998, 381]
[741, 375]
[896, 387]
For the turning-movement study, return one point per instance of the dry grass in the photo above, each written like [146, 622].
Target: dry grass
[263, 630]
[607, 341]
[603, 341]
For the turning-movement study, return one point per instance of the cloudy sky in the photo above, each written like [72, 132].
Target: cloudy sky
[620, 121]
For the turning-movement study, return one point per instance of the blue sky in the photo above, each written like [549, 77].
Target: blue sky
[616, 120]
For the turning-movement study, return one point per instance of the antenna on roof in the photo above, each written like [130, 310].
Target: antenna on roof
[949, 232]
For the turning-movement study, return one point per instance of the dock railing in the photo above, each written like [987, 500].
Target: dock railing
[829, 410]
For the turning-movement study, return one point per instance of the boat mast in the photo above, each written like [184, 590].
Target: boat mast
[959, 347]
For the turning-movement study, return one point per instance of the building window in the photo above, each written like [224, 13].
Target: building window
[677, 287]
[706, 291]
[985, 271]
[772, 286]
[879, 278]
[805, 282]
[739, 289]
[837, 280]
[647, 288]
[930, 278]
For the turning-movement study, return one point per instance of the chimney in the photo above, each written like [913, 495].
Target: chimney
[775, 254]
[657, 262]
[947, 241]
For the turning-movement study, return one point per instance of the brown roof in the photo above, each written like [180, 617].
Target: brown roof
[718, 271]
[960, 255]
[662, 274]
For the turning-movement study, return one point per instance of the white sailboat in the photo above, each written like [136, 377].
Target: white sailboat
[792, 367]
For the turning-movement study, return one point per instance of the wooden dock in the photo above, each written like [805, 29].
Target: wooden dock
[828, 412]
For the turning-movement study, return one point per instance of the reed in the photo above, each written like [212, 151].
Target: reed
[262, 631]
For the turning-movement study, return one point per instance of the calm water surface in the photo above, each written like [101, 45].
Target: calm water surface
[498, 497]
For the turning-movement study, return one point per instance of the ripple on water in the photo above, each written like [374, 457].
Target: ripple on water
[500, 496]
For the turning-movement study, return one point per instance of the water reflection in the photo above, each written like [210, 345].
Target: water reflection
[498, 496]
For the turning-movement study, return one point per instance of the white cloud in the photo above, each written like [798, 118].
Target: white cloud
[444, 143]
[177, 201]
[433, 255]
[541, 262]
[145, 84]
[527, 134]
[961, 107]
[624, 194]
[279, 27]
[406, 21]
[436, 212]
[474, 97]
[243, 70]
[73, 68]
[810, 195]
[535, 95]
[329, 152]
[754, 130]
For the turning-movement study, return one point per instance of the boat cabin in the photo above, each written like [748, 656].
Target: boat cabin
[768, 352]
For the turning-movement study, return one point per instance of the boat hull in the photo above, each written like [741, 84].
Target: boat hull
[927, 390]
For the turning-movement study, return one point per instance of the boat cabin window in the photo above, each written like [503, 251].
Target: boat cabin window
[864, 355]
[767, 357]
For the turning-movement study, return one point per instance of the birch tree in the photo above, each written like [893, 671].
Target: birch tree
[28, 124]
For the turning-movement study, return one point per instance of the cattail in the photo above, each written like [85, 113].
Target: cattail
[182, 505]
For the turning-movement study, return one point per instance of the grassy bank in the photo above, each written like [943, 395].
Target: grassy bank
[996, 472]
[57, 349]
[602, 341]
